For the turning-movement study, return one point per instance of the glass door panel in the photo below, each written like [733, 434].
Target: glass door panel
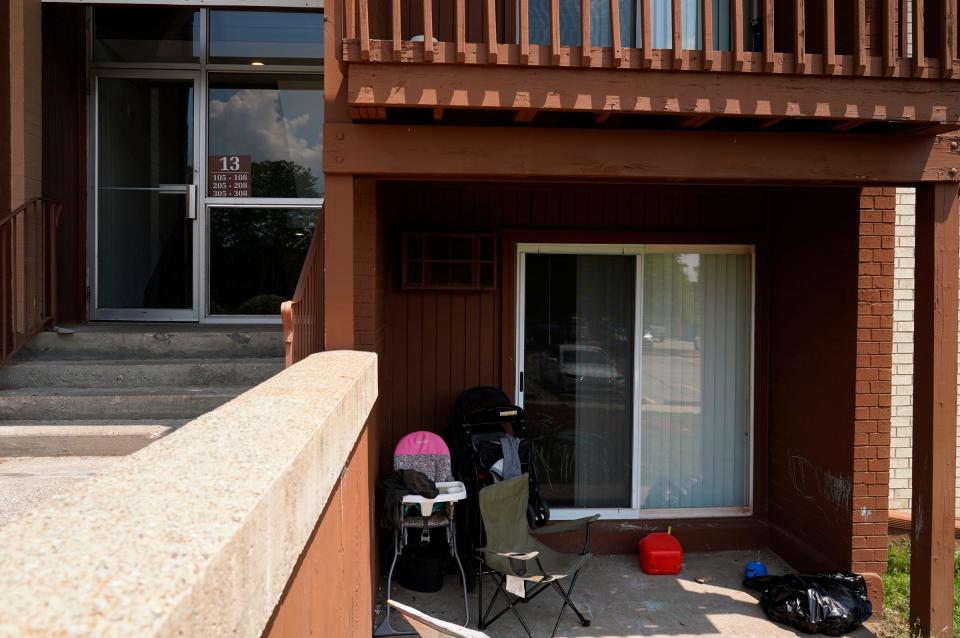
[578, 315]
[146, 203]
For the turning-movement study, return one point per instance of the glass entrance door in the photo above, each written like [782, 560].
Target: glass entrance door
[145, 236]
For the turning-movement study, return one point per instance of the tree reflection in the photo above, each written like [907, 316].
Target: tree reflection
[283, 178]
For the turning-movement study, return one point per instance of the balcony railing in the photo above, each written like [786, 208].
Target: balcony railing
[28, 254]
[867, 38]
[302, 316]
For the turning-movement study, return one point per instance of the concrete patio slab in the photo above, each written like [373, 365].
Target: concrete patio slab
[623, 602]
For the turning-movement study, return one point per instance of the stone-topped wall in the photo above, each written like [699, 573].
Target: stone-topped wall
[199, 534]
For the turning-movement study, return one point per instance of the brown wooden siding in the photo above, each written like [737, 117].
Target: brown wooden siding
[439, 343]
[64, 149]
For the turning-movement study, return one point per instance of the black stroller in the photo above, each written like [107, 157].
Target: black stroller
[480, 419]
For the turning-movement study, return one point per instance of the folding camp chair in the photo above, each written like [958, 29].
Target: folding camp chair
[430, 627]
[513, 550]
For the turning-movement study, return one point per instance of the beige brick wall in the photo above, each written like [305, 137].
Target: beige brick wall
[901, 439]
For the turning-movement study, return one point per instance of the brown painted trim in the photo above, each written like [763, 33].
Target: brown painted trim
[611, 155]
[934, 409]
[5, 177]
[476, 87]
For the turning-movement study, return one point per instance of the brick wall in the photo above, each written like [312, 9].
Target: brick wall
[875, 297]
[901, 441]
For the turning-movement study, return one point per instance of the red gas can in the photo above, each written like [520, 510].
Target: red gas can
[660, 553]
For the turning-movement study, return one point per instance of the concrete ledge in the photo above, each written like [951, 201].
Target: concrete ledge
[198, 533]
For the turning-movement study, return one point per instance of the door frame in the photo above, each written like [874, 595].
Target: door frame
[94, 312]
[638, 250]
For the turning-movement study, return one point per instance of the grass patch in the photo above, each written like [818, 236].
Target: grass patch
[896, 590]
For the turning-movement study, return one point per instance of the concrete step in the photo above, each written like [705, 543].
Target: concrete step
[81, 437]
[97, 343]
[112, 403]
[122, 373]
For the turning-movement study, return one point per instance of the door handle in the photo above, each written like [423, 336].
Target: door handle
[191, 201]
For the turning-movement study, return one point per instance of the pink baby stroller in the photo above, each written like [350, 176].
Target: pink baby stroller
[427, 453]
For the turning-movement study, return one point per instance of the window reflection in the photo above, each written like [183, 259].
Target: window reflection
[278, 122]
[269, 37]
[255, 257]
[146, 34]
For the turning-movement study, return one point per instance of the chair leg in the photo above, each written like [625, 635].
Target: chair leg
[565, 595]
[463, 575]
[486, 621]
[385, 628]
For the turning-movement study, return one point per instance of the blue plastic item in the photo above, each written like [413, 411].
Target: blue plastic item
[754, 568]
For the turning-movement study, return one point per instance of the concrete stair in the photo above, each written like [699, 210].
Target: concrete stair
[110, 389]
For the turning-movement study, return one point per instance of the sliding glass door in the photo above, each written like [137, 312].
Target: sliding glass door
[635, 370]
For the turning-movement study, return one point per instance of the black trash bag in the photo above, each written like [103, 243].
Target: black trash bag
[832, 603]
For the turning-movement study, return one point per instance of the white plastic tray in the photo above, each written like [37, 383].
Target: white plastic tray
[450, 492]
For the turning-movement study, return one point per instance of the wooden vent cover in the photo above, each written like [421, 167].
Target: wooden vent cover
[449, 261]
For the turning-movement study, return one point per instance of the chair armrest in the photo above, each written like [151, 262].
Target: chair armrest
[513, 555]
[565, 526]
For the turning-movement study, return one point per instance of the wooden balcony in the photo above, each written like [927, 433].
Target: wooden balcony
[870, 65]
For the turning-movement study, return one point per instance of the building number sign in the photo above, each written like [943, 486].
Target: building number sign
[228, 176]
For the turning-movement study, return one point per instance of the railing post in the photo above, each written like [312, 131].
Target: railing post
[555, 32]
[948, 36]
[585, 32]
[461, 20]
[428, 30]
[919, 54]
[829, 38]
[860, 38]
[799, 37]
[646, 33]
[364, 30]
[396, 31]
[614, 31]
[491, 31]
[889, 37]
[737, 34]
[677, 26]
[525, 32]
[768, 43]
[706, 19]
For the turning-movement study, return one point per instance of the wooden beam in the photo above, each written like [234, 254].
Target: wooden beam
[829, 37]
[616, 49]
[807, 96]
[585, 32]
[524, 116]
[934, 410]
[491, 20]
[428, 30]
[458, 152]
[697, 121]
[706, 19]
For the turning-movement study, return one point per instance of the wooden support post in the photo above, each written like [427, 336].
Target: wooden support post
[646, 34]
[737, 34]
[860, 38]
[428, 30]
[492, 32]
[948, 36]
[829, 38]
[364, 30]
[349, 19]
[585, 32]
[396, 31]
[799, 37]
[677, 28]
[768, 44]
[706, 19]
[614, 31]
[934, 410]
[919, 50]
[555, 32]
[524, 32]
[889, 37]
[338, 263]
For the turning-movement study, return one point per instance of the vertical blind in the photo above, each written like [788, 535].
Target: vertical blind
[696, 367]
[661, 22]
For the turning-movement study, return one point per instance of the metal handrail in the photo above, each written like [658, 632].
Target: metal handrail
[302, 316]
[28, 273]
